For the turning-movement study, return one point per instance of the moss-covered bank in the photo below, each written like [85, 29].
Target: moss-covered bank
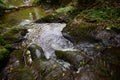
[9, 40]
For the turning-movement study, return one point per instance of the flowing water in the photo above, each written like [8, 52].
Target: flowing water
[49, 37]
[89, 61]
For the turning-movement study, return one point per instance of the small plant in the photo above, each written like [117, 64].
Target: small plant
[8, 46]
[36, 2]
[3, 53]
[102, 14]
[65, 10]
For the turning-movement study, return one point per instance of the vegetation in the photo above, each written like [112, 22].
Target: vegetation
[66, 10]
[2, 6]
[102, 14]
[5, 50]
[23, 73]
[51, 2]
[7, 37]
[3, 53]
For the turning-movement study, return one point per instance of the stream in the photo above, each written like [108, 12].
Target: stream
[49, 37]
[46, 55]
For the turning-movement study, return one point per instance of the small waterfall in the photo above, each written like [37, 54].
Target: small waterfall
[49, 37]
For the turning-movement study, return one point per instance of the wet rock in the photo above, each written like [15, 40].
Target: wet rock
[21, 74]
[112, 55]
[108, 37]
[51, 70]
[24, 32]
[81, 29]
[86, 75]
[75, 58]
[52, 19]
[36, 51]
[105, 66]
[25, 22]
[16, 60]
[17, 56]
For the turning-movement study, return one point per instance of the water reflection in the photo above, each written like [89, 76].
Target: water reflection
[16, 17]
[17, 3]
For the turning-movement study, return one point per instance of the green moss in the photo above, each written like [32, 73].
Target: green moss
[65, 10]
[102, 14]
[12, 33]
[8, 46]
[22, 74]
[64, 55]
[82, 62]
[3, 53]
[36, 2]
[80, 31]
[15, 30]
[83, 24]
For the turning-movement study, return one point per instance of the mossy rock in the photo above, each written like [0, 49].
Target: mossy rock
[60, 15]
[51, 70]
[53, 18]
[79, 30]
[17, 55]
[21, 74]
[85, 24]
[36, 52]
[112, 55]
[13, 35]
[75, 58]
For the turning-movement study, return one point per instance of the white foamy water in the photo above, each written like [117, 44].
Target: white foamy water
[49, 37]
